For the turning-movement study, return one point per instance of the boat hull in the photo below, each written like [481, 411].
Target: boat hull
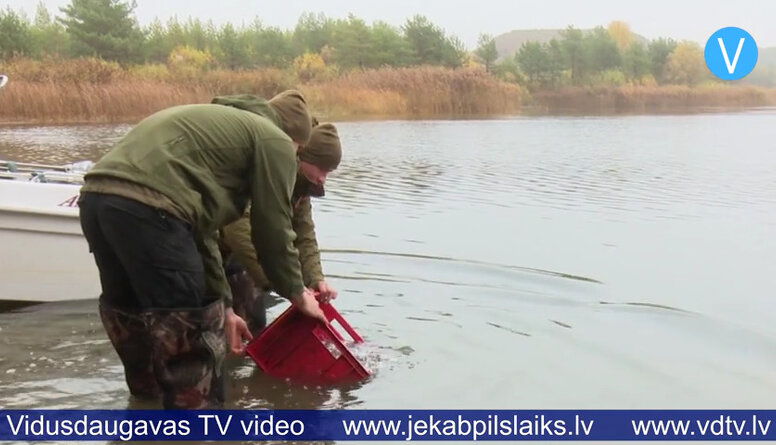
[46, 257]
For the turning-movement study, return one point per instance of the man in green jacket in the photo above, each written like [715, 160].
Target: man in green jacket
[319, 157]
[151, 209]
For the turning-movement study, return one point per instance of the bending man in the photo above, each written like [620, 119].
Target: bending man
[150, 210]
[319, 157]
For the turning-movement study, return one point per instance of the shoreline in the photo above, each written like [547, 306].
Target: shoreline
[523, 112]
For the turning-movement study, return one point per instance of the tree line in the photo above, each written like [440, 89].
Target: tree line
[611, 56]
[107, 29]
[320, 45]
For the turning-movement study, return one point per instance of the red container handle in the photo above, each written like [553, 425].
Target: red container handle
[332, 314]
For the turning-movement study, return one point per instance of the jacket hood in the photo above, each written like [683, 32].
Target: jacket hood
[249, 102]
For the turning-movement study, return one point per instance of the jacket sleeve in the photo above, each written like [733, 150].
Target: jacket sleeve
[237, 236]
[273, 178]
[307, 244]
[215, 278]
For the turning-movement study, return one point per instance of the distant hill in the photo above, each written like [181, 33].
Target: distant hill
[509, 43]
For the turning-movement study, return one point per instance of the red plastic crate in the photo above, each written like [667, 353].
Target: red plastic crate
[305, 350]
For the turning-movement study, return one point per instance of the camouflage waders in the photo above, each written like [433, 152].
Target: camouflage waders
[167, 329]
[129, 334]
[176, 354]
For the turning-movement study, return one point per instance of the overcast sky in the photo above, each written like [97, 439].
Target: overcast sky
[679, 19]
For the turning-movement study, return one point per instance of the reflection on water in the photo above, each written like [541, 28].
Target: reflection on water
[601, 166]
[622, 262]
[58, 145]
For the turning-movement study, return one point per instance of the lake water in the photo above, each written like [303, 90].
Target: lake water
[518, 263]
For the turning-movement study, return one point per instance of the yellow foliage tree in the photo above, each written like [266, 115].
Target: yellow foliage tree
[186, 61]
[621, 33]
[685, 65]
[468, 61]
[309, 66]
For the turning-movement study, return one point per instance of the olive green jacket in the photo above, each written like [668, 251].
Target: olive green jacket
[205, 163]
[236, 238]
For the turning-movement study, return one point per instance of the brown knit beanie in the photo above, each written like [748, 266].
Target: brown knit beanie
[324, 149]
[295, 118]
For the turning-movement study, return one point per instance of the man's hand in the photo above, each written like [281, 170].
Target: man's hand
[236, 331]
[326, 293]
[309, 306]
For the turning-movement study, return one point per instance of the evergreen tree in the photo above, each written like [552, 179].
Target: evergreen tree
[103, 28]
[14, 34]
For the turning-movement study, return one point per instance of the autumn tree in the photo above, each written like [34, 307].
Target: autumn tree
[685, 64]
[621, 34]
[310, 67]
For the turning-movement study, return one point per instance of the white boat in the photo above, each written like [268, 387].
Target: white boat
[45, 255]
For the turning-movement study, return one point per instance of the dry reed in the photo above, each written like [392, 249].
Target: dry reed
[92, 90]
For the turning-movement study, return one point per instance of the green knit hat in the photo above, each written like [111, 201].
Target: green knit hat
[324, 149]
[295, 118]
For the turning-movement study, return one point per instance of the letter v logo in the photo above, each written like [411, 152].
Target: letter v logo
[717, 53]
[731, 66]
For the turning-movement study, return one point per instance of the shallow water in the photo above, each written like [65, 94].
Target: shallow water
[578, 262]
